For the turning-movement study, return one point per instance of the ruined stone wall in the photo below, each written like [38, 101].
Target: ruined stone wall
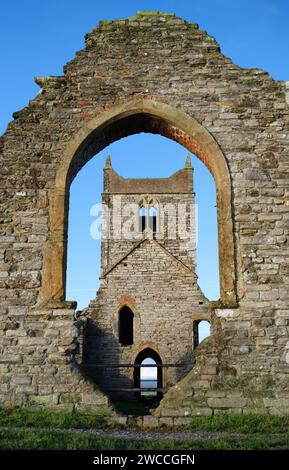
[163, 59]
[39, 370]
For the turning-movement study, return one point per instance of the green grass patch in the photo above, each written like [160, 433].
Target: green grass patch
[243, 424]
[61, 420]
[53, 431]
[22, 439]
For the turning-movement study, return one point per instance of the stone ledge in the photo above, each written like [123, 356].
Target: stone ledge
[56, 304]
[202, 412]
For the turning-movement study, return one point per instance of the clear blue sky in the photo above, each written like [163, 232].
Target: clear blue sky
[38, 38]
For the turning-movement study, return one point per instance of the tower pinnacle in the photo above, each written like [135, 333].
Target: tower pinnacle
[108, 162]
[188, 161]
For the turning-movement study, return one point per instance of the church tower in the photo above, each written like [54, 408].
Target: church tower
[149, 302]
[161, 208]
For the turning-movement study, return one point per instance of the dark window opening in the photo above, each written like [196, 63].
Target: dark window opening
[125, 326]
[201, 330]
[142, 218]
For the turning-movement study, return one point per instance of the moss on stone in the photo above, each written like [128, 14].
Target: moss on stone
[148, 13]
[73, 398]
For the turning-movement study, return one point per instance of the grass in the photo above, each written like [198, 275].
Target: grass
[240, 424]
[219, 423]
[62, 420]
[251, 432]
[22, 439]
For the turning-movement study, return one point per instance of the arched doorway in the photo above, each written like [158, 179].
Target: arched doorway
[147, 375]
[132, 117]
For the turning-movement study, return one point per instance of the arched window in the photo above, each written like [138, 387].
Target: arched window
[148, 378]
[125, 326]
[201, 330]
[142, 218]
[153, 219]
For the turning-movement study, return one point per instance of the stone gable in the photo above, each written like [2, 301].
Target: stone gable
[158, 255]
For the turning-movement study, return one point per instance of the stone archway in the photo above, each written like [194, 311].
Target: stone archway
[131, 117]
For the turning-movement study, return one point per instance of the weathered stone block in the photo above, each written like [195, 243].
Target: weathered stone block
[44, 399]
[69, 397]
[28, 389]
[150, 421]
[229, 411]
[227, 402]
[216, 394]
[182, 421]
[24, 380]
[52, 332]
[11, 359]
[166, 421]
[276, 403]
[33, 341]
[176, 412]
[209, 370]
[93, 399]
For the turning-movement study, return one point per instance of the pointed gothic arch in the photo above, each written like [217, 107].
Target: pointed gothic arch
[135, 116]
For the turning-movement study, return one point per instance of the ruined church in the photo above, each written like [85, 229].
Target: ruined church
[160, 74]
